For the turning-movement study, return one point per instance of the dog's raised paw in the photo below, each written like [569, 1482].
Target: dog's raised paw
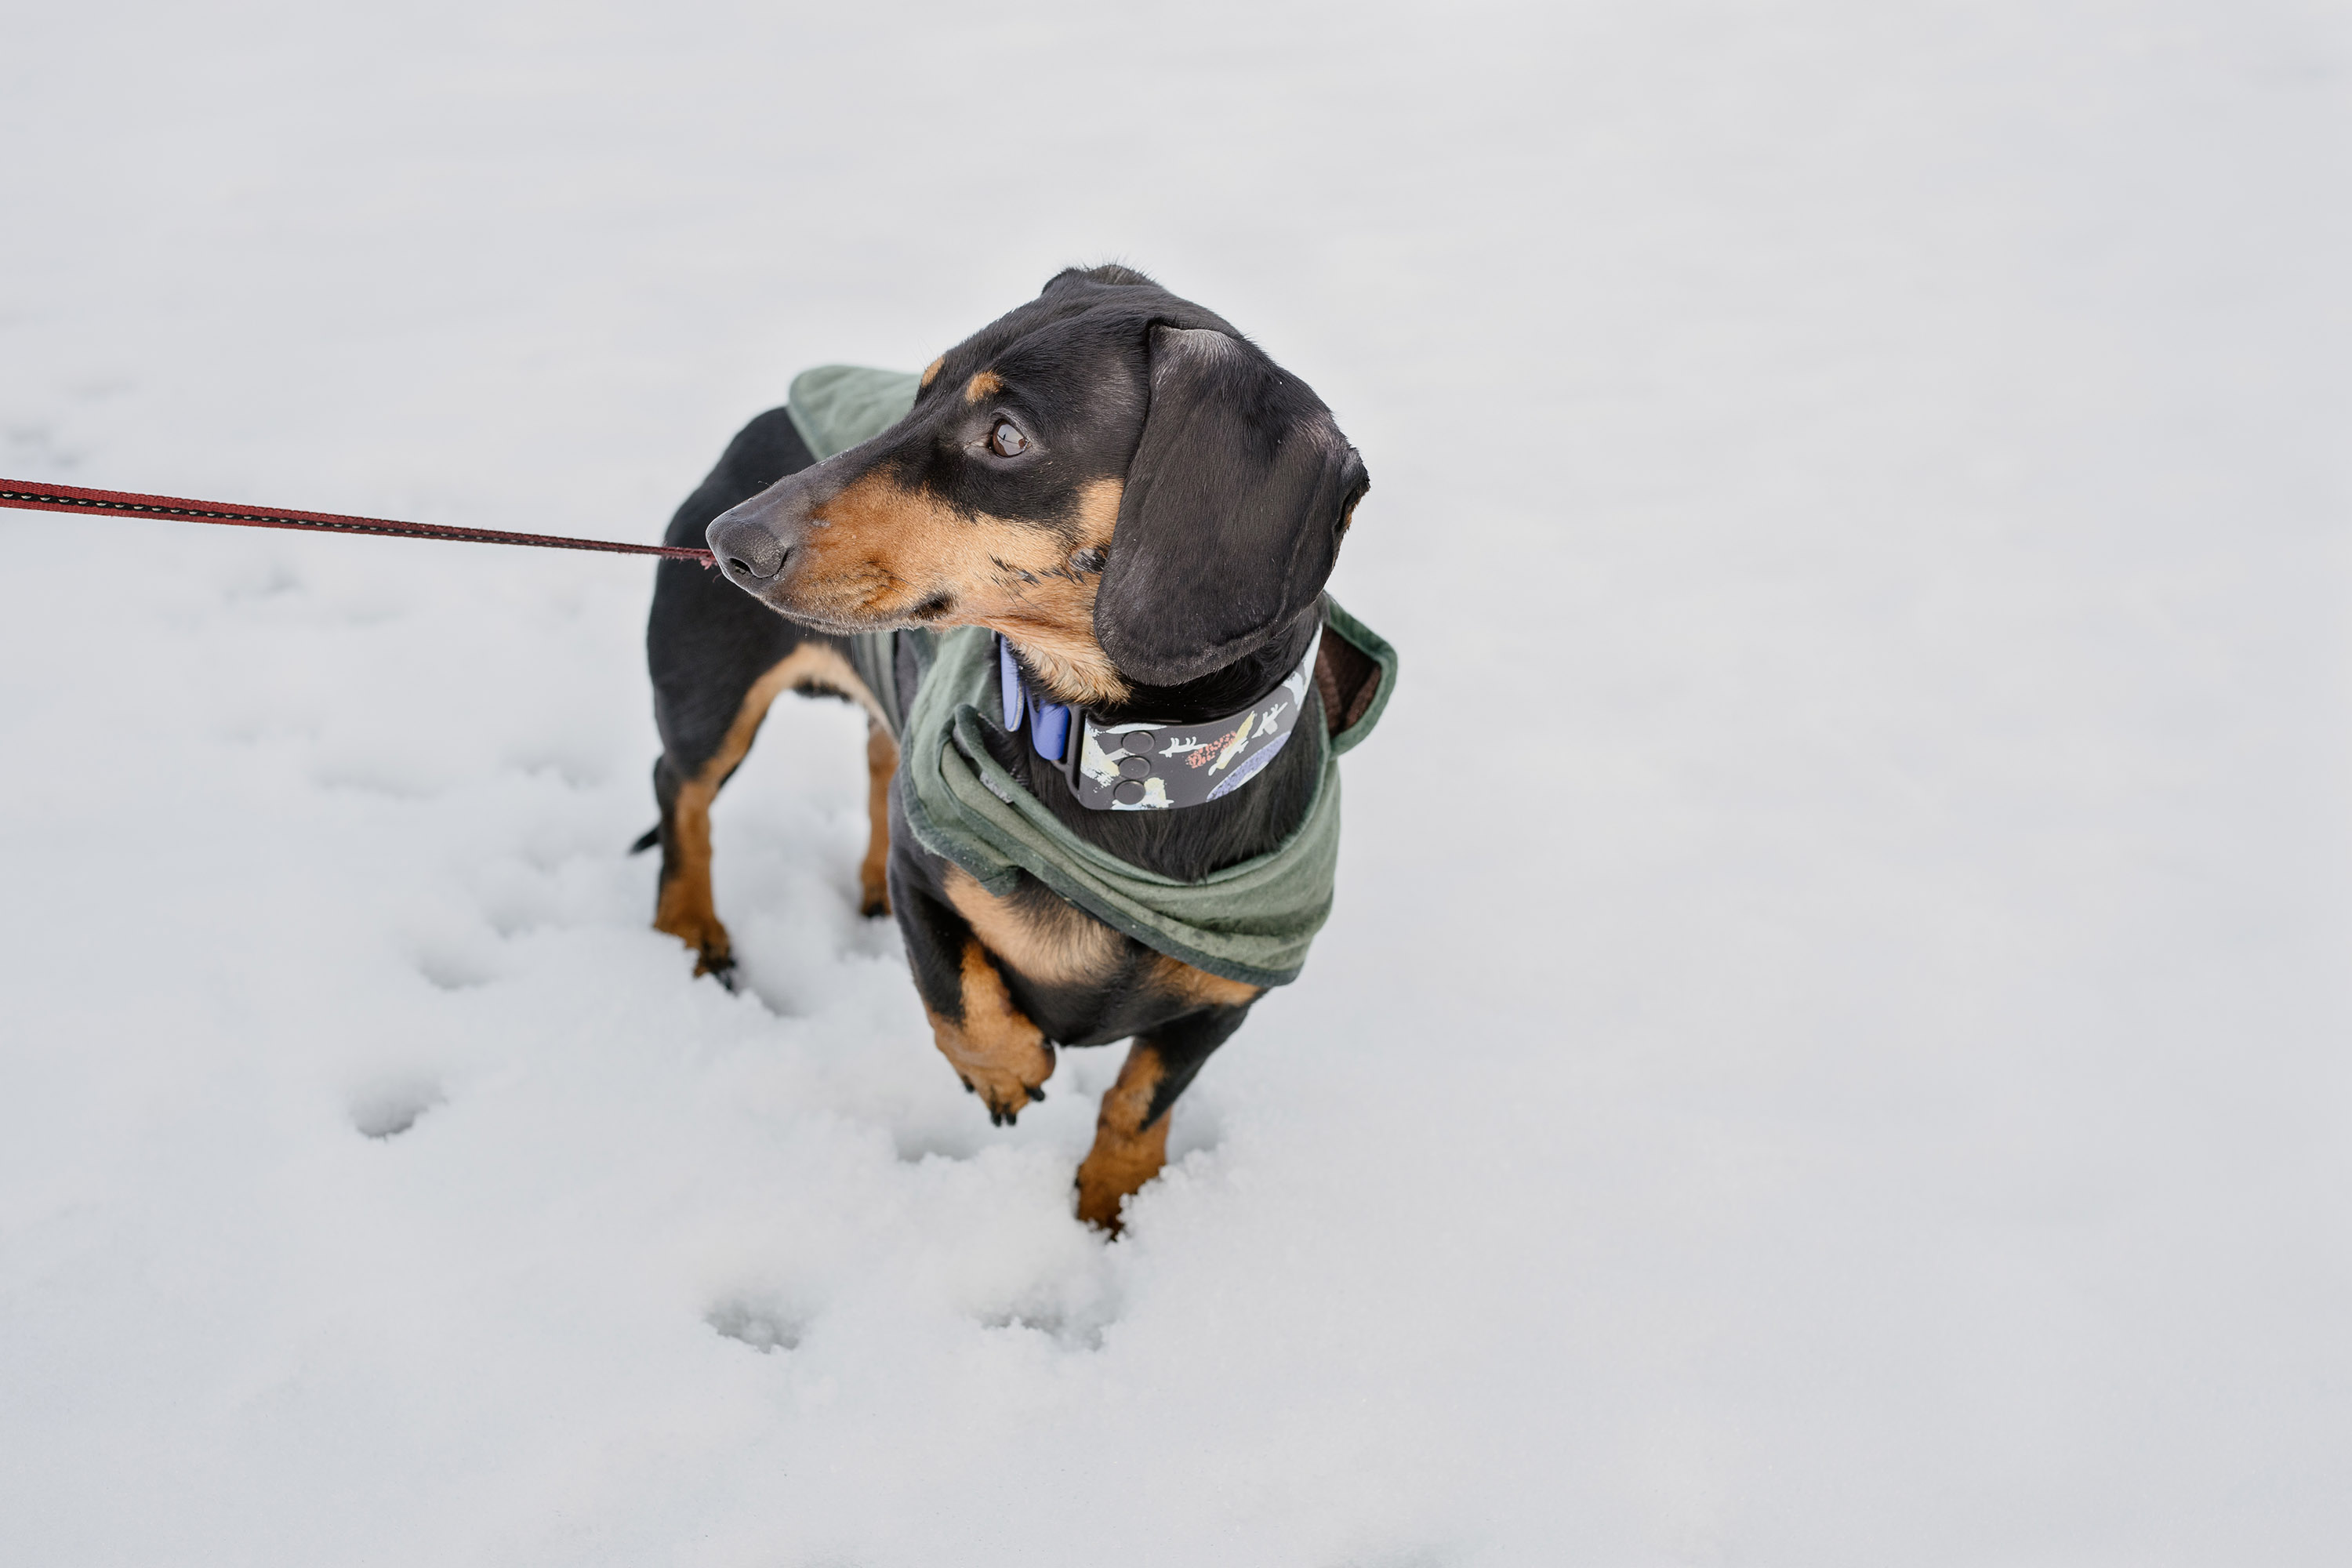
[1003, 1059]
[1010, 1084]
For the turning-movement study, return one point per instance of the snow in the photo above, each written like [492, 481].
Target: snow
[1830, 1049]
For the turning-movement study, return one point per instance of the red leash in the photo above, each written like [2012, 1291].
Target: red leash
[124, 503]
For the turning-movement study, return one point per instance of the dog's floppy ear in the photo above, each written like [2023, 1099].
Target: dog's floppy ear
[1239, 491]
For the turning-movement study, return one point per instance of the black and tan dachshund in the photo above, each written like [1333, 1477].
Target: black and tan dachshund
[1146, 507]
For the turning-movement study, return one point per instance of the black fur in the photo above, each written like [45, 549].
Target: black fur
[1235, 499]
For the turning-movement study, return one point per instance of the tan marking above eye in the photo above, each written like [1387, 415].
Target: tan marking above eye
[987, 383]
[931, 371]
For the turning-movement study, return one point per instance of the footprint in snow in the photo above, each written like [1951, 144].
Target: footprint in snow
[762, 1325]
[391, 1109]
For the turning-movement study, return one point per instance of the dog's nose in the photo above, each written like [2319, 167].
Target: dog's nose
[745, 548]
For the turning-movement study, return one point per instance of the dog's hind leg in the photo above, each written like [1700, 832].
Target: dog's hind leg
[685, 908]
[711, 649]
[874, 873]
[1131, 1129]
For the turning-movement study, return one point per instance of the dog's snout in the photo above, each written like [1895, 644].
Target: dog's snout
[746, 549]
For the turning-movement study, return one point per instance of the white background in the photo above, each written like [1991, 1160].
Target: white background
[1832, 1049]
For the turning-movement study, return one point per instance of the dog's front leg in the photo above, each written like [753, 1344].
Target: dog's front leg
[1131, 1132]
[998, 1052]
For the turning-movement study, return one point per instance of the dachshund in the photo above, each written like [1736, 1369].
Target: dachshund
[1146, 508]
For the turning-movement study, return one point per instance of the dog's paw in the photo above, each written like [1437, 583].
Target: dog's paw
[875, 902]
[1009, 1076]
[999, 1054]
[1112, 1176]
[718, 962]
[1105, 1184]
[714, 951]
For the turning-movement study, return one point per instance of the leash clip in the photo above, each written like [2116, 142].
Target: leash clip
[1049, 722]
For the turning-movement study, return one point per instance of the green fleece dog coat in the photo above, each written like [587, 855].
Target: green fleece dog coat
[1252, 922]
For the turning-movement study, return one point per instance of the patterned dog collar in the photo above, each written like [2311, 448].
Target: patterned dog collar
[1156, 766]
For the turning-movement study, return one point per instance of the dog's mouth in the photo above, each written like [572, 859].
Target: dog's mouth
[846, 611]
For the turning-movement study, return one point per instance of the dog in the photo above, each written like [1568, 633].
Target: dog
[1145, 509]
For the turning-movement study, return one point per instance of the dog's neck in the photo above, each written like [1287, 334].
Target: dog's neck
[1223, 691]
[1192, 842]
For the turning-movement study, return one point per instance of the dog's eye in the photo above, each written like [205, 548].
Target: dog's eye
[1006, 441]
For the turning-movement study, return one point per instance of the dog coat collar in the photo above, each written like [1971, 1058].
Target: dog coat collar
[1155, 765]
[1252, 921]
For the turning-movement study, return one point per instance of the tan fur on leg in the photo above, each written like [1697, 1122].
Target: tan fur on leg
[1126, 1152]
[685, 908]
[999, 1054]
[874, 874]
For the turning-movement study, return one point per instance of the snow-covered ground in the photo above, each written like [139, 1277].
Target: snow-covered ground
[1833, 1045]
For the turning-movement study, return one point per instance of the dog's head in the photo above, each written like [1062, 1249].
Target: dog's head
[1112, 477]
